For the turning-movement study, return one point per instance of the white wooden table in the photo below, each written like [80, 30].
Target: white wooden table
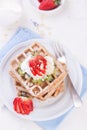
[69, 27]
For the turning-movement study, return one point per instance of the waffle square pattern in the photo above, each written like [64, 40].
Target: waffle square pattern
[37, 74]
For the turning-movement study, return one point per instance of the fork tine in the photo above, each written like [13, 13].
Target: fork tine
[59, 50]
[61, 47]
[55, 50]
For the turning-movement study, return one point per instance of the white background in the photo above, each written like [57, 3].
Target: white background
[68, 26]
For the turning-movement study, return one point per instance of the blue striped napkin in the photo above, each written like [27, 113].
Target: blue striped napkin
[24, 34]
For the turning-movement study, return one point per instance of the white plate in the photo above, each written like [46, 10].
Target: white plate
[43, 110]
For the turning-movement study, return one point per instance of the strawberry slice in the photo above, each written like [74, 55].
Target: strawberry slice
[38, 65]
[23, 105]
[20, 106]
[40, 0]
[49, 4]
[16, 106]
[27, 106]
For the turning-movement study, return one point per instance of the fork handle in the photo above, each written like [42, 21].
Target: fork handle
[76, 98]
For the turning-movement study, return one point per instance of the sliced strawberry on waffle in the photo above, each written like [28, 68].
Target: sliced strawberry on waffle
[38, 65]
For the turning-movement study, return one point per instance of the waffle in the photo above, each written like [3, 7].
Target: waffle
[21, 91]
[47, 89]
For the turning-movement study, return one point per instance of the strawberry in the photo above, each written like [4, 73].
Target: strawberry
[16, 105]
[23, 105]
[49, 4]
[38, 65]
[40, 0]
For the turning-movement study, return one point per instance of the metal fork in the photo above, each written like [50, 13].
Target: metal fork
[61, 56]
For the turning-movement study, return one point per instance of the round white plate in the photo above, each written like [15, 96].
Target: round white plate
[43, 110]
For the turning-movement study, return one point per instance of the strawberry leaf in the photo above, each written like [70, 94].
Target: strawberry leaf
[57, 2]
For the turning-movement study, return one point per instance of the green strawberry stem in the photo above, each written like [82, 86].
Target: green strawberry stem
[57, 2]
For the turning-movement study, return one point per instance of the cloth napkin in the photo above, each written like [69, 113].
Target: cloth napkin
[24, 34]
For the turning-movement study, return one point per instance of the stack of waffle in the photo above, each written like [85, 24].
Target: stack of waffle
[47, 88]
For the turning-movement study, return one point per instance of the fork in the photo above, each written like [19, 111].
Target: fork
[61, 56]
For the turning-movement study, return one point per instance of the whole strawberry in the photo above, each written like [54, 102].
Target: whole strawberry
[49, 4]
